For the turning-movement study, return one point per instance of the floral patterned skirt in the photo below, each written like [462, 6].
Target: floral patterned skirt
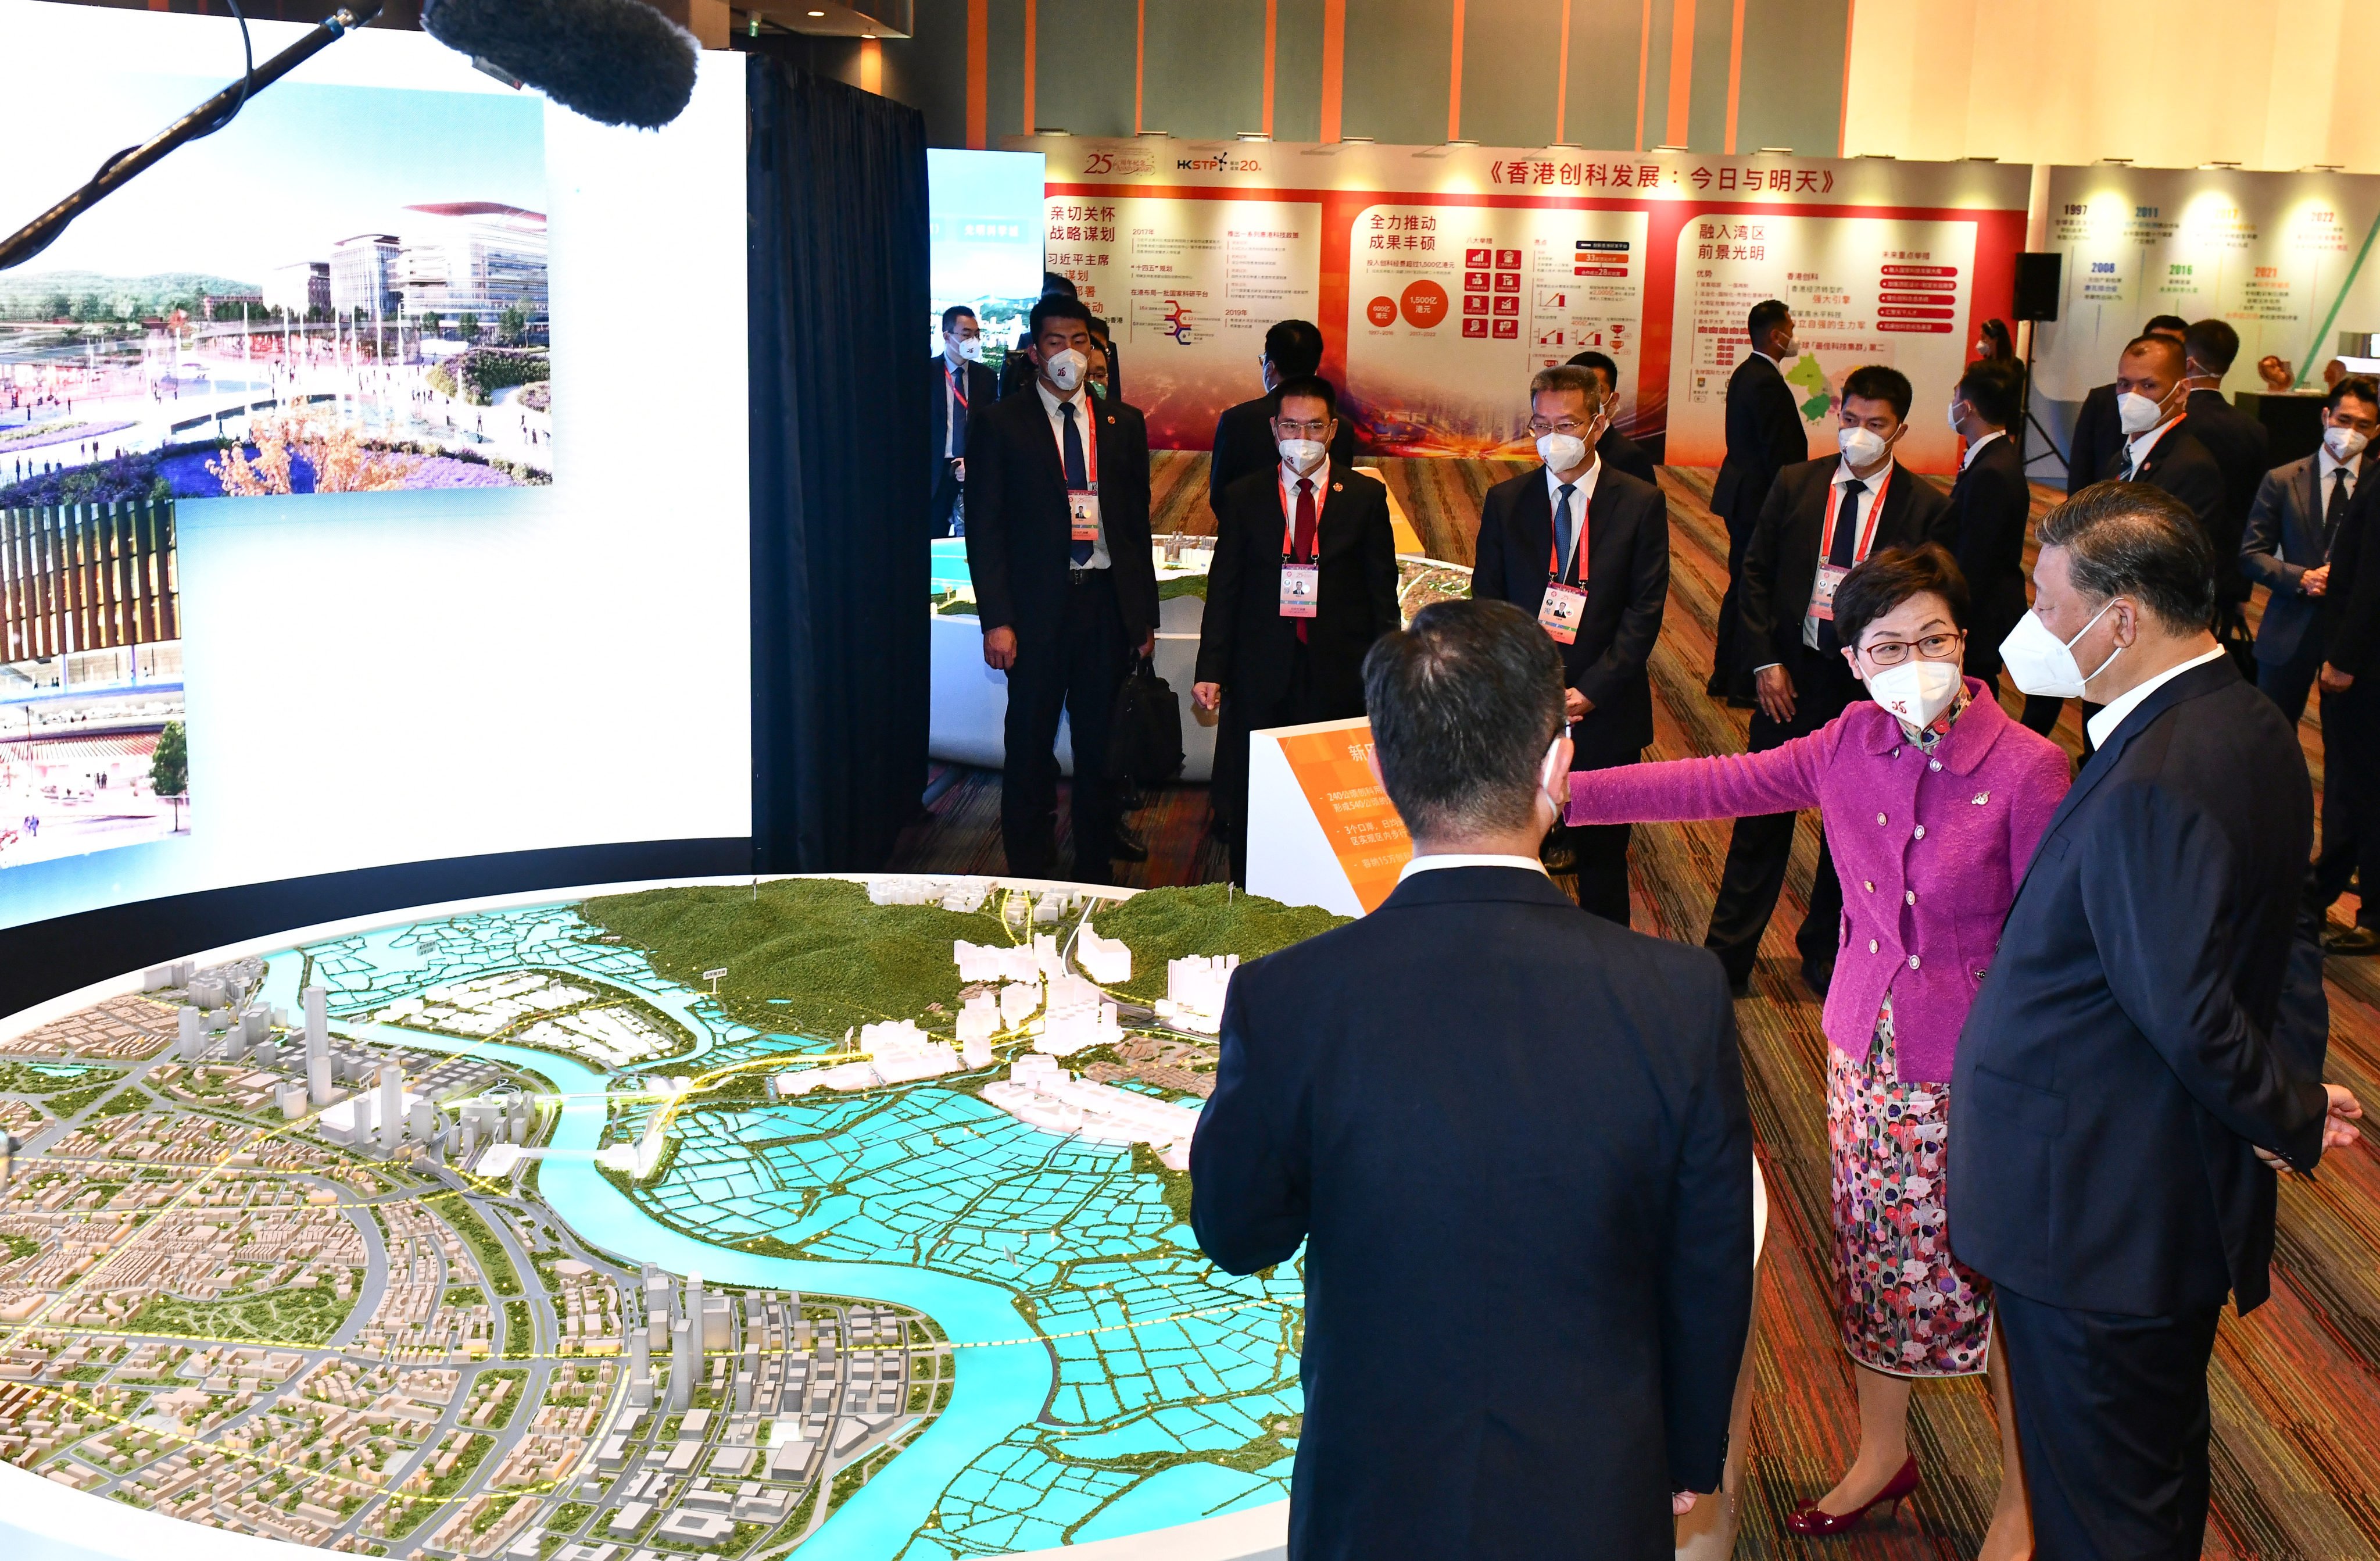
[1907, 1307]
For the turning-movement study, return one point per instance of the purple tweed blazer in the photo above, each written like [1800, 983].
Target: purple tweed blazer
[1930, 851]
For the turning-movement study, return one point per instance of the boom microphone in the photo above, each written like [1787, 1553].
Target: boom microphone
[618, 62]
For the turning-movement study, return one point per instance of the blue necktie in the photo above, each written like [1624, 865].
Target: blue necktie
[1561, 533]
[1079, 477]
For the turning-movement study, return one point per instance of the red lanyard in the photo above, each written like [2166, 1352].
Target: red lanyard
[1867, 532]
[955, 376]
[1090, 437]
[1553, 556]
[1289, 532]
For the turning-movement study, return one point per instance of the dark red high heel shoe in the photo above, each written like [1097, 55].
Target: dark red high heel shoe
[1808, 1519]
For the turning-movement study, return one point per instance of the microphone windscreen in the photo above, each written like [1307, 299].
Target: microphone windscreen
[618, 62]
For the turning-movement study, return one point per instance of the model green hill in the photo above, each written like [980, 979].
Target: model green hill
[838, 961]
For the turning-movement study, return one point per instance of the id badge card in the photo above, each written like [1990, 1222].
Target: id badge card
[1083, 506]
[1300, 585]
[1821, 593]
[1560, 614]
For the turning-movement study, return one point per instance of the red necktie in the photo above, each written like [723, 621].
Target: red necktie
[1303, 545]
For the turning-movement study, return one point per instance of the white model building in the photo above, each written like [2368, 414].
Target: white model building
[1041, 1094]
[981, 962]
[1077, 1014]
[898, 1053]
[978, 1023]
[1105, 960]
[962, 895]
[1019, 1001]
[1194, 992]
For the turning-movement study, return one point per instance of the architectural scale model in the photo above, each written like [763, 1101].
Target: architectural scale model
[535, 1233]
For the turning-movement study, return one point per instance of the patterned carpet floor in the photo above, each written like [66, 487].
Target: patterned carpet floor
[2296, 1384]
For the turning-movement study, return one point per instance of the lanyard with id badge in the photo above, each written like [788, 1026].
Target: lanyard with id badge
[1563, 607]
[1830, 575]
[1301, 583]
[1083, 504]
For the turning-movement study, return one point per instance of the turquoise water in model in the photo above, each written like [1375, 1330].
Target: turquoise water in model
[1109, 1381]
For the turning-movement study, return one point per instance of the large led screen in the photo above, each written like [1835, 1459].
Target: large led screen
[327, 540]
[985, 210]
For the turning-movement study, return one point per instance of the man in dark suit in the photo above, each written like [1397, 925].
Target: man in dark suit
[1243, 437]
[1993, 506]
[1586, 1181]
[1016, 370]
[1272, 652]
[962, 386]
[1578, 525]
[2243, 451]
[2098, 433]
[2153, 1024]
[1822, 518]
[1615, 449]
[1765, 435]
[2349, 631]
[2291, 530]
[1058, 545]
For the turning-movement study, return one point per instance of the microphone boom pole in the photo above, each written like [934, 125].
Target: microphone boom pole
[209, 117]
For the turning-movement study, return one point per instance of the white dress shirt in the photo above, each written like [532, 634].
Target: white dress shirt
[953, 375]
[1290, 478]
[2138, 448]
[2111, 715]
[1581, 495]
[1455, 859]
[1866, 506]
[1086, 413]
[1976, 444]
[2325, 464]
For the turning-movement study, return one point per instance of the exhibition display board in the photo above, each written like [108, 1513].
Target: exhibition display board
[2283, 257]
[1444, 276]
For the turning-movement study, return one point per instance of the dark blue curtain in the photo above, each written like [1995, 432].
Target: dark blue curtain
[838, 282]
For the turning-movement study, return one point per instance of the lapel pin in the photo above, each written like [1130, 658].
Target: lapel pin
[1981, 798]
[1338, 487]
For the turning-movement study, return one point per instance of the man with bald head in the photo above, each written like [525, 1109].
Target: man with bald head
[2155, 445]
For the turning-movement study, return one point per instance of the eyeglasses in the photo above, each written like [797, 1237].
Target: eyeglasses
[1315, 429]
[1539, 427]
[1934, 647]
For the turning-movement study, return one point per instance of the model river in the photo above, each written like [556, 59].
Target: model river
[1109, 1381]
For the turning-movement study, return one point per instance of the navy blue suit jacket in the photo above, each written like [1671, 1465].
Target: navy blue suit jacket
[1550, 1141]
[1765, 435]
[2154, 1012]
[2285, 537]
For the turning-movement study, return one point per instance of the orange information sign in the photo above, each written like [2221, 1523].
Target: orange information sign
[1363, 830]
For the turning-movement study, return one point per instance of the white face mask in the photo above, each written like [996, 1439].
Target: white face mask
[1861, 447]
[2344, 444]
[1954, 417]
[1562, 452]
[1552, 779]
[1916, 691]
[2041, 664]
[972, 349]
[1303, 455]
[2138, 413]
[1066, 369]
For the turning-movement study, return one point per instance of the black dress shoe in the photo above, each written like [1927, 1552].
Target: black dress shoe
[1126, 844]
[2352, 941]
[1738, 987]
[1817, 977]
[1716, 686]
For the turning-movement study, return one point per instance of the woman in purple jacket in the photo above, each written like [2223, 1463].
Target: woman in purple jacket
[1933, 801]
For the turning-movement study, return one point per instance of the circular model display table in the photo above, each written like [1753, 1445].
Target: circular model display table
[847, 1215]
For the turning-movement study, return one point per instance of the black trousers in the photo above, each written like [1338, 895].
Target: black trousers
[2351, 797]
[1601, 850]
[1076, 672]
[1762, 845]
[2111, 1411]
[1729, 673]
[1294, 706]
[2288, 683]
